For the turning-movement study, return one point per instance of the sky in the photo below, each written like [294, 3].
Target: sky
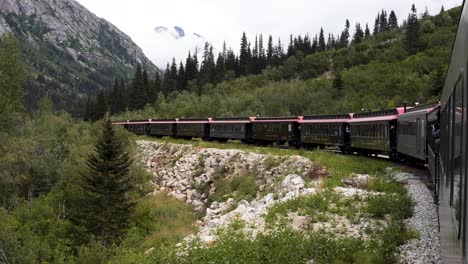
[221, 20]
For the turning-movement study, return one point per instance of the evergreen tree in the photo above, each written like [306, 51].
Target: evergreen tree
[383, 21]
[315, 45]
[392, 20]
[376, 24]
[220, 68]
[261, 55]
[244, 56]
[138, 94]
[115, 100]
[321, 45]
[442, 10]
[344, 40]
[146, 85]
[11, 81]
[367, 31]
[168, 82]
[106, 187]
[173, 71]
[101, 107]
[207, 68]
[181, 82]
[157, 87]
[270, 51]
[358, 34]
[255, 58]
[426, 13]
[413, 32]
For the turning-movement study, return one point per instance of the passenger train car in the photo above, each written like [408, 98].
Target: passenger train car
[435, 135]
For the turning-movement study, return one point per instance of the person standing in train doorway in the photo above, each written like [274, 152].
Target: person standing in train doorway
[393, 138]
[347, 137]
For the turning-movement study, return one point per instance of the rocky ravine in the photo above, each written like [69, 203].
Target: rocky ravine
[180, 170]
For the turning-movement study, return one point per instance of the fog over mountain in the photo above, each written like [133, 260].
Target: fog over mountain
[166, 42]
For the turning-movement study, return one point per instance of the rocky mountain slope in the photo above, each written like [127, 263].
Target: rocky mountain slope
[68, 51]
[237, 191]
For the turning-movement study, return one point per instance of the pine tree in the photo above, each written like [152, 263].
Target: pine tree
[207, 68]
[358, 34]
[181, 82]
[157, 87]
[321, 45]
[244, 56]
[270, 50]
[261, 55]
[315, 45]
[290, 50]
[344, 40]
[220, 68]
[101, 107]
[413, 32]
[392, 20]
[168, 82]
[11, 81]
[146, 86]
[138, 94]
[376, 24]
[383, 21]
[367, 31]
[106, 187]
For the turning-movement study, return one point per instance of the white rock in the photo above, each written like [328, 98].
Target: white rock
[244, 203]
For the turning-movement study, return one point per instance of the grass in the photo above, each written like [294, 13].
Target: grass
[164, 220]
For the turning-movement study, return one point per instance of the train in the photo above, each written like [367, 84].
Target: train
[433, 135]
[369, 133]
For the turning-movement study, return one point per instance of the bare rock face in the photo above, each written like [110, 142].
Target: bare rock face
[187, 173]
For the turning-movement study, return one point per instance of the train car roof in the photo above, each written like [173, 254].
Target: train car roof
[163, 121]
[231, 120]
[338, 118]
[425, 109]
[382, 115]
[277, 119]
[459, 57]
[193, 120]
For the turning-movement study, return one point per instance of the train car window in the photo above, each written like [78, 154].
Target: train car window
[457, 156]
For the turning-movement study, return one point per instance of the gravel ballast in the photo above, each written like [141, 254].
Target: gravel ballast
[425, 249]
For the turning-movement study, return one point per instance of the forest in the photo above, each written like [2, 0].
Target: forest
[391, 65]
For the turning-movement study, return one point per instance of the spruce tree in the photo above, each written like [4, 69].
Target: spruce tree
[261, 54]
[383, 21]
[412, 39]
[244, 57]
[181, 83]
[315, 44]
[270, 51]
[344, 40]
[392, 20]
[321, 45]
[367, 31]
[106, 187]
[220, 68]
[138, 94]
[438, 80]
[101, 106]
[376, 24]
[290, 50]
[358, 34]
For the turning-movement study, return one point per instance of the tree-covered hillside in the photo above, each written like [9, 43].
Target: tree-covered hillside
[387, 67]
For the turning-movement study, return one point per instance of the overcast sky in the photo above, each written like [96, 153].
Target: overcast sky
[221, 20]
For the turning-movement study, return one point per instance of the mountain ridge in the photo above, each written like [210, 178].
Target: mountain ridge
[67, 50]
